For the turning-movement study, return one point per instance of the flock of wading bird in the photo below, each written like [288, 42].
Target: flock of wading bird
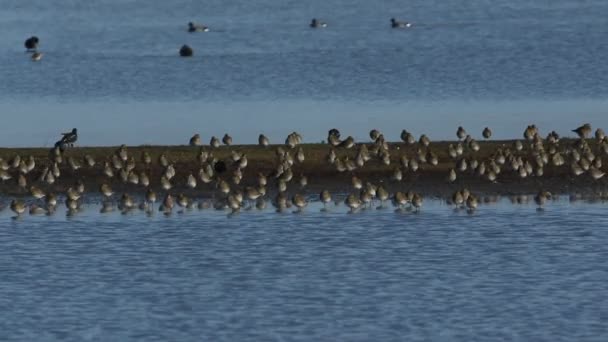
[523, 158]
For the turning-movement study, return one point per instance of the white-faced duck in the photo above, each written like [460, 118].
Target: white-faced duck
[315, 23]
[192, 27]
[400, 24]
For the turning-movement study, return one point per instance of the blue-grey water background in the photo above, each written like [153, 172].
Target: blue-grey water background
[376, 275]
[111, 69]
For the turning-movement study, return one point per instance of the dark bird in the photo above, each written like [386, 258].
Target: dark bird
[186, 51]
[583, 131]
[315, 23]
[192, 27]
[400, 24]
[31, 44]
[68, 139]
[334, 132]
[220, 166]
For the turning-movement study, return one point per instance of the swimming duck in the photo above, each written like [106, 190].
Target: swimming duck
[315, 23]
[186, 51]
[192, 27]
[400, 24]
[31, 44]
[36, 56]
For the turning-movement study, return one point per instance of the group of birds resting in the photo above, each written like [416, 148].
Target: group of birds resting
[187, 51]
[31, 44]
[219, 181]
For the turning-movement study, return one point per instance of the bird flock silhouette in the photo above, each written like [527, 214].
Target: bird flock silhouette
[207, 180]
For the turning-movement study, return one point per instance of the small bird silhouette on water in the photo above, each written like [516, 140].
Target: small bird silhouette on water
[31, 44]
[315, 23]
[192, 27]
[186, 51]
[400, 24]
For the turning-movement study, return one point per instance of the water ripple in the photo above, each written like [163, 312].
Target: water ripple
[506, 272]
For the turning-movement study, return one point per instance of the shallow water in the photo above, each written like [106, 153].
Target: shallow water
[111, 66]
[506, 272]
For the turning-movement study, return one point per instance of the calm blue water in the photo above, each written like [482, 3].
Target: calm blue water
[376, 275]
[112, 65]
